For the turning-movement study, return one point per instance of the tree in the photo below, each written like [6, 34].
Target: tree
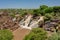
[48, 10]
[36, 12]
[56, 9]
[42, 8]
[36, 34]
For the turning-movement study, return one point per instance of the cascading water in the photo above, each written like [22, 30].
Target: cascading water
[36, 22]
[28, 24]
[24, 24]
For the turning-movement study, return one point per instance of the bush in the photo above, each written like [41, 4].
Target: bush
[58, 33]
[6, 35]
[36, 34]
[55, 36]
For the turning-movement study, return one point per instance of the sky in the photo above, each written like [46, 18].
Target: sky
[27, 3]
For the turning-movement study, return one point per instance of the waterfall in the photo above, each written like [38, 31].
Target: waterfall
[28, 24]
[36, 23]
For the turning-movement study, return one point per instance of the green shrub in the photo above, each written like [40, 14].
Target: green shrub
[12, 15]
[36, 34]
[6, 35]
[58, 33]
[55, 36]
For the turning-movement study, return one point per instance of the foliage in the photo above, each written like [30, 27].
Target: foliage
[6, 35]
[43, 10]
[48, 10]
[36, 34]
[55, 36]
[11, 14]
[49, 16]
[42, 7]
[58, 33]
[56, 9]
[36, 12]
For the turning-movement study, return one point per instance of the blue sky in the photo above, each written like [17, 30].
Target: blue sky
[27, 3]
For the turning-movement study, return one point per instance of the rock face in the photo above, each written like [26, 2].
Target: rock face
[51, 25]
[6, 22]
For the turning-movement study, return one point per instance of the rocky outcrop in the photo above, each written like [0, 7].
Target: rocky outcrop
[6, 22]
[52, 25]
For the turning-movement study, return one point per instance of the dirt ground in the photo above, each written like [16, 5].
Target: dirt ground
[20, 33]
